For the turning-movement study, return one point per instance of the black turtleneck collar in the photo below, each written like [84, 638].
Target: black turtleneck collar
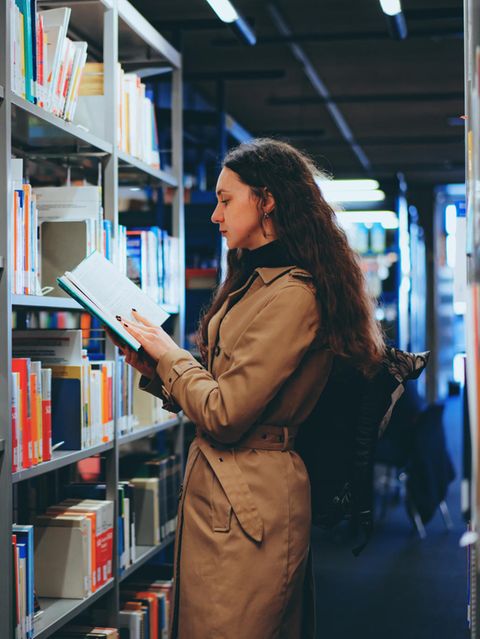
[271, 255]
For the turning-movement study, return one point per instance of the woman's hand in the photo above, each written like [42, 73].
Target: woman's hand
[154, 340]
[144, 364]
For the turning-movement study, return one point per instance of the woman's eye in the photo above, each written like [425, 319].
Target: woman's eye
[224, 201]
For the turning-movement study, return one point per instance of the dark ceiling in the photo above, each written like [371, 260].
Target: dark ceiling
[401, 100]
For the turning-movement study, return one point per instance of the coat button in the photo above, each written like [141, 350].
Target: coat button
[217, 351]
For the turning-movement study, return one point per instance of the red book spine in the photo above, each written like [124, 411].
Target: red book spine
[22, 365]
[14, 430]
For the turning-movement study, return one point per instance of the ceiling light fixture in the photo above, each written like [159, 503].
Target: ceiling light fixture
[391, 7]
[228, 14]
[343, 191]
[396, 23]
[388, 219]
[224, 10]
[353, 196]
[349, 185]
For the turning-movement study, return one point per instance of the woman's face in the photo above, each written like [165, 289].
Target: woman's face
[239, 215]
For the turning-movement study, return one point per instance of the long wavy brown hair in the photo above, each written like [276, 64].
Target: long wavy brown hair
[306, 225]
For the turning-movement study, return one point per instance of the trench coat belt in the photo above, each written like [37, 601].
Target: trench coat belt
[221, 459]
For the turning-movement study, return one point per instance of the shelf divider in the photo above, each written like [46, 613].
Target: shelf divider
[60, 458]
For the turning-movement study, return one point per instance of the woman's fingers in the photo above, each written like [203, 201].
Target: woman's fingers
[141, 319]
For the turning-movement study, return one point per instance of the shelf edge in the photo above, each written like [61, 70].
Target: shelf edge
[70, 128]
[140, 433]
[60, 462]
[153, 550]
[75, 610]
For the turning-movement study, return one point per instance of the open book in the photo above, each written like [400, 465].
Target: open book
[104, 292]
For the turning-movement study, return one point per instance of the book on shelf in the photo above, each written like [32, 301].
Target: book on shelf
[82, 531]
[106, 293]
[63, 556]
[153, 595]
[25, 244]
[101, 515]
[126, 527]
[75, 409]
[46, 66]
[127, 421]
[22, 537]
[147, 409]
[153, 263]
[137, 132]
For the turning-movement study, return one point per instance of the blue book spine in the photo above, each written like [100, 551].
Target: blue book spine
[134, 259]
[24, 621]
[25, 536]
[24, 6]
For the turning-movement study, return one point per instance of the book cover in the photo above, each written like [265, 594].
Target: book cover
[95, 279]
[67, 407]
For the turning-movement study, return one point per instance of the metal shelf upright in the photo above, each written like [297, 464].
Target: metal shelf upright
[472, 166]
[28, 130]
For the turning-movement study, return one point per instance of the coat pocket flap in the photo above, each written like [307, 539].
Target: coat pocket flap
[228, 473]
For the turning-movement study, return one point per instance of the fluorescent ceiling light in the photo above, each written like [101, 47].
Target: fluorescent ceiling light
[224, 10]
[388, 219]
[390, 7]
[349, 185]
[353, 196]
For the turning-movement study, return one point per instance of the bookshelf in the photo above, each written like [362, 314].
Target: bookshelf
[117, 33]
[472, 317]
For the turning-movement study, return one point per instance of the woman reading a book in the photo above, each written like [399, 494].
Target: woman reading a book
[294, 297]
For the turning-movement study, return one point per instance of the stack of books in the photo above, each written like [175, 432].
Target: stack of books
[157, 482]
[145, 608]
[147, 408]
[75, 536]
[30, 413]
[81, 394]
[46, 66]
[137, 132]
[126, 515]
[127, 421]
[26, 262]
[153, 263]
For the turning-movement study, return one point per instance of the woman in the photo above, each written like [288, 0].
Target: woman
[294, 296]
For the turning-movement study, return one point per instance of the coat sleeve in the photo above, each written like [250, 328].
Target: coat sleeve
[265, 355]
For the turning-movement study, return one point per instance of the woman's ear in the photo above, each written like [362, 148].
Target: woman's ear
[268, 202]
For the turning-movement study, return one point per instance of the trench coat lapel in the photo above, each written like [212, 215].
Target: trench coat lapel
[214, 324]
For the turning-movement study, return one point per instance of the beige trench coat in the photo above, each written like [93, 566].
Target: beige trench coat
[244, 516]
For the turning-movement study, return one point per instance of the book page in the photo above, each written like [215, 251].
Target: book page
[102, 282]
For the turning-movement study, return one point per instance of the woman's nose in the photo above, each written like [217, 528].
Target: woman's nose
[216, 215]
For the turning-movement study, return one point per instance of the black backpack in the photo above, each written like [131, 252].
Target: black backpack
[338, 440]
